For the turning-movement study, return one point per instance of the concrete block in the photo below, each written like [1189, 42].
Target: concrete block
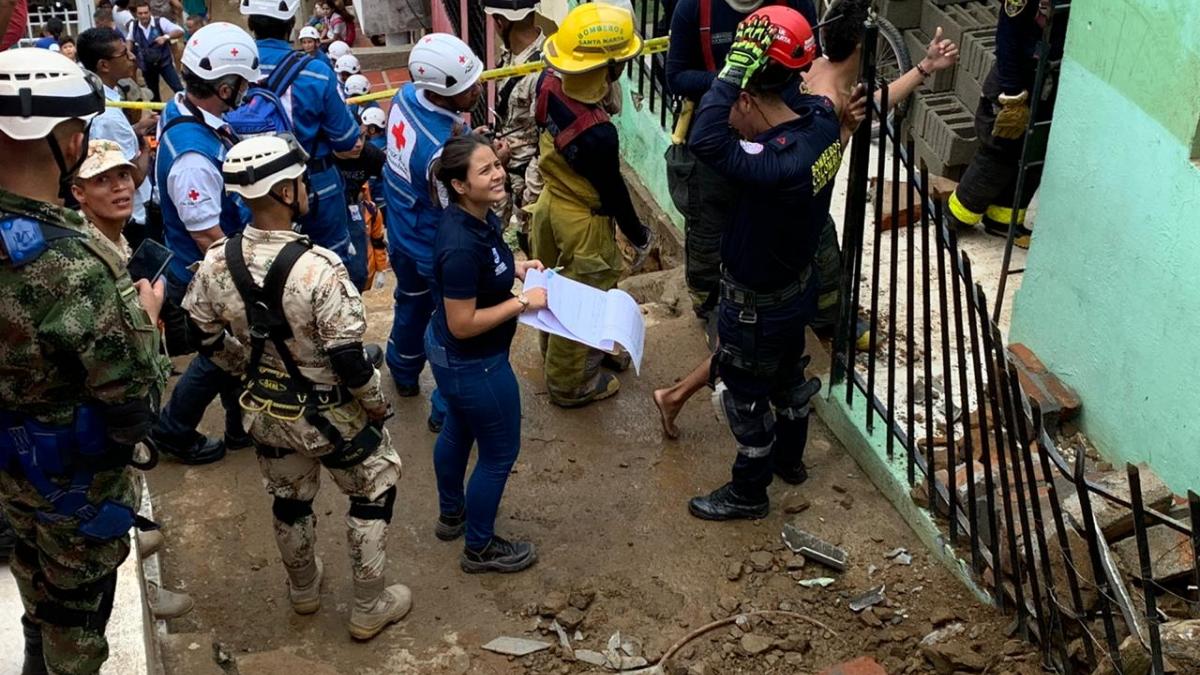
[980, 12]
[936, 165]
[923, 103]
[967, 90]
[950, 132]
[975, 43]
[917, 40]
[902, 13]
[953, 19]
[953, 135]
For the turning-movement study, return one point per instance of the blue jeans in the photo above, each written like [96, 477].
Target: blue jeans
[197, 387]
[484, 407]
[410, 318]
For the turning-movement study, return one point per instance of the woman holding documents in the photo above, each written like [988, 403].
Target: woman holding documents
[467, 344]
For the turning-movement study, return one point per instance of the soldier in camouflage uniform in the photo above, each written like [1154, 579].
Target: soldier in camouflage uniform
[81, 371]
[523, 40]
[312, 398]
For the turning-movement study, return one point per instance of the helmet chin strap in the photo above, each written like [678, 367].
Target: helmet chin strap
[235, 100]
[67, 174]
[294, 207]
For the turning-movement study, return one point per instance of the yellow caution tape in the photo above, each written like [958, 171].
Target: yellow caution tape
[652, 46]
[135, 105]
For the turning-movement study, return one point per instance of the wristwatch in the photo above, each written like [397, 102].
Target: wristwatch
[524, 302]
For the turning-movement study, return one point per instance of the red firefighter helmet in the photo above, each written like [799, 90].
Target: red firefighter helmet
[795, 46]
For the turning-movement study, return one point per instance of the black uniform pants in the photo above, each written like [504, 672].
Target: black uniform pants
[766, 393]
[988, 187]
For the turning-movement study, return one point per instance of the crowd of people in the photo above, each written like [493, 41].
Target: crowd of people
[242, 224]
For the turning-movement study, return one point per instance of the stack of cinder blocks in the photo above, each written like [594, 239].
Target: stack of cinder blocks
[941, 116]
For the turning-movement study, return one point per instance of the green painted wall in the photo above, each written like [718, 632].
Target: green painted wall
[1111, 296]
[643, 145]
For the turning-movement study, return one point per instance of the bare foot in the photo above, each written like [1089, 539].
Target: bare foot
[666, 413]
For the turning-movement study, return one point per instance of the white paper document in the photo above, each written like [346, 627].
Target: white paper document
[590, 316]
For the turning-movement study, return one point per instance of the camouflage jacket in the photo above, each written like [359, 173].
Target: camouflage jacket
[74, 330]
[518, 122]
[320, 303]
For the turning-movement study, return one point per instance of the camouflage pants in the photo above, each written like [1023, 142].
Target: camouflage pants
[66, 581]
[297, 476]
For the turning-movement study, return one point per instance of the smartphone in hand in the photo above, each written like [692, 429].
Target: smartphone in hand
[149, 261]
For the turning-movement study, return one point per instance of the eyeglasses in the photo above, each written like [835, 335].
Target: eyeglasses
[123, 54]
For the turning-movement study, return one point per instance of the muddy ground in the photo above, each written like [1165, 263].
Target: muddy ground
[603, 495]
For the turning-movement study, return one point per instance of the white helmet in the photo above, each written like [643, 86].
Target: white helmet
[257, 164]
[357, 85]
[443, 64]
[374, 117]
[513, 10]
[309, 33]
[347, 64]
[338, 49]
[40, 89]
[221, 49]
[276, 9]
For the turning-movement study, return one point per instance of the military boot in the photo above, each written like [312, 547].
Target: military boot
[149, 543]
[376, 607]
[35, 661]
[304, 587]
[166, 605]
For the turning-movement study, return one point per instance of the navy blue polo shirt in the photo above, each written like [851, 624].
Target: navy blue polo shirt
[471, 260]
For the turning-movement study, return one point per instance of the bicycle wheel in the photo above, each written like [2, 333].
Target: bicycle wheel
[891, 55]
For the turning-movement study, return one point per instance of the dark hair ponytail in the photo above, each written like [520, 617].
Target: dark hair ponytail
[454, 163]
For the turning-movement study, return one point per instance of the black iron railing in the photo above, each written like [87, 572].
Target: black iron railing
[913, 286]
[649, 72]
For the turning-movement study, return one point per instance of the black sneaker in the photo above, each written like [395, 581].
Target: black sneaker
[792, 475]
[450, 528]
[408, 390]
[724, 504]
[204, 450]
[435, 425]
[500, 555]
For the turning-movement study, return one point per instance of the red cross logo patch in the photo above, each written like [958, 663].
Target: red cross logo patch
[462, 59]
[193, 195]
[421, 70]
[398, 134]
[233, 52]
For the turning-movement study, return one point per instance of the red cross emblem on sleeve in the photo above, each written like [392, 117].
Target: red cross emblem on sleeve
[193, 195]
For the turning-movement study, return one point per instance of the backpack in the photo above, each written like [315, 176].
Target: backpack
[262, 111]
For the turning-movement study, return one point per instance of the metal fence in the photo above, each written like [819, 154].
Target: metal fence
[976, 449]
[649, 72]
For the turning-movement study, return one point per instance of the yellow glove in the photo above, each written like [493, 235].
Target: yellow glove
[1013, 118]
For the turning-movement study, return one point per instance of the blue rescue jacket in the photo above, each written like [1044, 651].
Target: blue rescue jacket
[175, 140]
[416, 132]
